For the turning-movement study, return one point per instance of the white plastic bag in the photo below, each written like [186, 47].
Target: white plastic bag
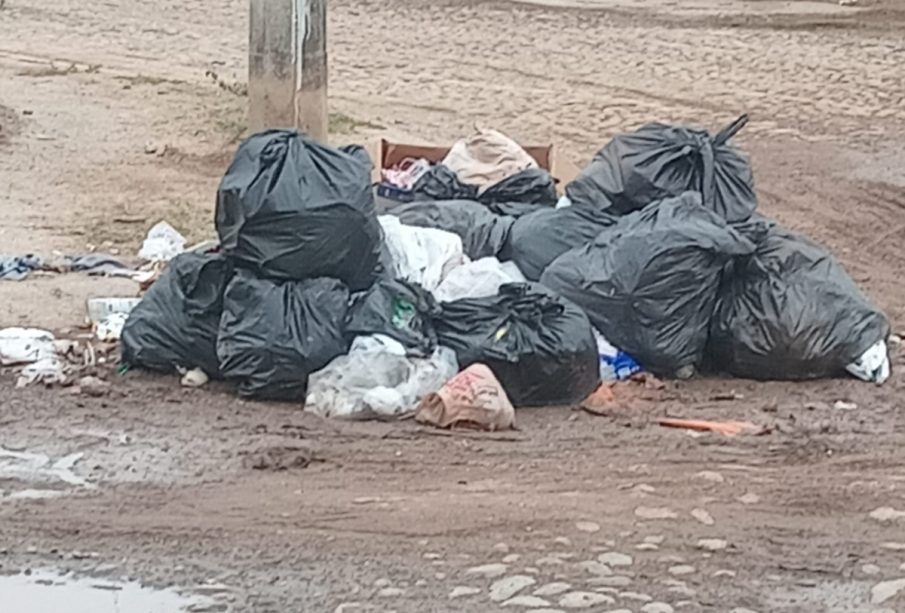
[478, 279]
[162, 244]
[421, 255]
[375, 379]
[873, 365]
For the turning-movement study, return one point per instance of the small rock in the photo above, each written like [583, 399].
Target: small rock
[749, 498]
[894, 546]
[587, 526]
[712, 544]
[584, 600]
[548, 561]
[595, 568]
[488, 570]
[885, 514]
[612, 581]
[94, 387]
[439, 576]
[501, 547]
[420, 583]
[531, 602]
[886, 590]
[657, 607]
[460, 591]
[902, 566]
[724, 573]
[644, 488]
[842, 405]
[506, 588]
[870, 569]
[614, 558]
[32, 549]
[741, 610]
[647, 547]
[655, 513]
[382, 583]
[702, 516]
[390, 592]
[432, 556]
[710, 475]
[562, 540]
[637, 596]
[512, 558]
[681, 569]
[655, 539]
[552, 589]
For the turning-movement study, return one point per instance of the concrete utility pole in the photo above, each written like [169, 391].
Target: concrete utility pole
[287, 66]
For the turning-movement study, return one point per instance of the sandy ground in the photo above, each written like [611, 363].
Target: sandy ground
[391, 517]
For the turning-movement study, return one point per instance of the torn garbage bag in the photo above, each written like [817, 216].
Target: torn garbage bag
[649, 282]
[482, 232]
[532, 186]
[175, 324]
[290, 209]
[274, 334]
[660, 161]
[539, 238]
[421, 255]
[791, 312]
[478, 279]
[398, 309]
[540, 346]
[376, 379]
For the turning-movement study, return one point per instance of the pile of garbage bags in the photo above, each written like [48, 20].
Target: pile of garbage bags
[471, 279]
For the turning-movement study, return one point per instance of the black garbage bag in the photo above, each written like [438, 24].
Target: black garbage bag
[540, 346]
[516, 209]
[175, 324]
[274, 334]
[398, 309]
[441, 183]
[649, 282]
[791, 312]
[541, 237]
[483, 233]
[290, 209]
[530, 186]
[661, 161]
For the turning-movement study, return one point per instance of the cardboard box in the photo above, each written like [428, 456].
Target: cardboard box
[386, 154]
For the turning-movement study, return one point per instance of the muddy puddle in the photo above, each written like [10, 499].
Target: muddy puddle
[44, 591]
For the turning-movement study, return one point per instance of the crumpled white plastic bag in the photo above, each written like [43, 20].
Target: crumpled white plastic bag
[478, 279]
[421, 255]
[34, 348]
[376, 379]
[873, 365]
[162, 244]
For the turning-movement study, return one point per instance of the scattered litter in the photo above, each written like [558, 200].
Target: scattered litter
[377, 379]
[615, 365]
[842, 405]
[639, 392]
[471, 399]
[162, 244]
[18, 267]
[34, 354]
[726, 428]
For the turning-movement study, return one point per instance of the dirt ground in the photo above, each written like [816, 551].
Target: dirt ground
[115, 115]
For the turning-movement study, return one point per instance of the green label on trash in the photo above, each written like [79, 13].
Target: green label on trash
[403, 313]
